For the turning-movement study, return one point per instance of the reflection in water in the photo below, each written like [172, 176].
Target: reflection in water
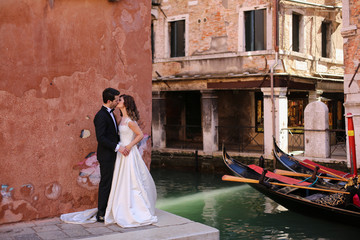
[237, 210]
[272, 207]
[210, 211]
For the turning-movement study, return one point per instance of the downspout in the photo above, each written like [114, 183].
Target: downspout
[276, 47]
[272, 91]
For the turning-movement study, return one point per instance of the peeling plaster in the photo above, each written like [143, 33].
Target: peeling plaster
[85, 133]
[89, 175]
[6, 194]
[27, 190]
[13, 210]
[53, 191]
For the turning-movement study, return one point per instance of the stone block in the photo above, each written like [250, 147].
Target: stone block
[317, 138]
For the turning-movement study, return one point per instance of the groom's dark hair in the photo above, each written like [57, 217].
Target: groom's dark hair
[109, 94]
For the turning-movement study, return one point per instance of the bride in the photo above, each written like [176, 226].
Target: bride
[133, 193]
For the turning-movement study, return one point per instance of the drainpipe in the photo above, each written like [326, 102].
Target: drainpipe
[272, 91]
[276, 47]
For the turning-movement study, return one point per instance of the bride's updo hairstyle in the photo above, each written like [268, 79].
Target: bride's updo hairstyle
[130, 106]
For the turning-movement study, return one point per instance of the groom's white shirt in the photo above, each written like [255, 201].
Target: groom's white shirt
[113, 118]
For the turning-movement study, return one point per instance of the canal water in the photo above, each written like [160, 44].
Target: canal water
[237, 210]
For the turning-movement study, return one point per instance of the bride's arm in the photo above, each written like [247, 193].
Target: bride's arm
[118, 119]
[138, 134]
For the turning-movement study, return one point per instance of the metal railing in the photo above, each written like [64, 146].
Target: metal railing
[338, 145]
[236, 138]
[184, 136]
[241, 138]
[247, 139]
[337, 140]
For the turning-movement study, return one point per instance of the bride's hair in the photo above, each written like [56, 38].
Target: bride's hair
[131, 108]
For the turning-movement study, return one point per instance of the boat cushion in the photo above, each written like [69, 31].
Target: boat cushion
[340, 173]
[280, 178]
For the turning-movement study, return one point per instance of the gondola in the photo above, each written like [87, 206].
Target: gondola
[302, 199]
[306, 166]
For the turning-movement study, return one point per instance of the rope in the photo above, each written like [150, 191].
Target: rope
[314, 181]
[308, 179]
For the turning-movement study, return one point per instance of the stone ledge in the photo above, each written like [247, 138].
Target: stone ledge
[170, 226]
[188, 231]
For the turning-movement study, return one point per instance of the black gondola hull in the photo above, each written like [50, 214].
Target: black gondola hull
[310, 208]
[292, 202]
[295, 165]
[289, 162]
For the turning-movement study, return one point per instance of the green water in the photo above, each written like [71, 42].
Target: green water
[237, 210]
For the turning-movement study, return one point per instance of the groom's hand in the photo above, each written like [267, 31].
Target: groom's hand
[124, 151]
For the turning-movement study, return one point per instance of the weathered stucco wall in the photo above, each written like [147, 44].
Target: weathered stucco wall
[215, 39]
[56, 59]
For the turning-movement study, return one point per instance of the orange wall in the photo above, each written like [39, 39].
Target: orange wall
[56, 59]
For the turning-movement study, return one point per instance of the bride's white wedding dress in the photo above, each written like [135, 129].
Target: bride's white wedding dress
[133, 193]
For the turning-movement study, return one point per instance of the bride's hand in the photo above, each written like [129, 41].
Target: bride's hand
[124, 151]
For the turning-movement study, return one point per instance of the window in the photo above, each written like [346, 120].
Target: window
[183, 119]
[334, 102]
[255, 30]
[259, 112]
[325, 39]
[296, 32]
[296, 112]
[152, 40]
[297, 101]
[177, 38]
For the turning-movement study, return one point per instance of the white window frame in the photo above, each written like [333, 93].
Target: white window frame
[329, 37]
[269, 30]
[167, 37]
[302, 34]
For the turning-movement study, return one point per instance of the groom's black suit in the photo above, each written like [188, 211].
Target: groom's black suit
[108, 138]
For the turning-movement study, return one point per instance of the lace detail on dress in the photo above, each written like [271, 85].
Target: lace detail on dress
[125, 121]
[127, 135]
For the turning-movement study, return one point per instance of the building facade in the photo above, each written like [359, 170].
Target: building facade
[56, 59]
[238, 72]
[351, 34]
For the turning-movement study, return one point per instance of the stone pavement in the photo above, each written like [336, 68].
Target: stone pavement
[169, 226]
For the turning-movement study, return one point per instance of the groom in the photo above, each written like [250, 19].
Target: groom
[108, 145]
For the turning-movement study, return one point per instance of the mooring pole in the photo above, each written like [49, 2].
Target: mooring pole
[196, 161]
[351, 137]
